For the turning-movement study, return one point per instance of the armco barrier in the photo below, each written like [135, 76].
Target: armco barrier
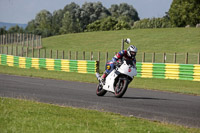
[145, 70]
[80, 66]
[169, 71]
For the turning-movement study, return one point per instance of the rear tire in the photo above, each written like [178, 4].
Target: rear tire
[121, 88]
[100, 91]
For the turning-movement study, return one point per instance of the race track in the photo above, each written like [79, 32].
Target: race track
[154, 105]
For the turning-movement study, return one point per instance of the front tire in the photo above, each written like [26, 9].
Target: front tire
[100, 91]
[121, 88]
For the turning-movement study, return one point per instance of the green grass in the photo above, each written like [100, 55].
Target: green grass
[22, 116]
[179, 86]
[168, 40]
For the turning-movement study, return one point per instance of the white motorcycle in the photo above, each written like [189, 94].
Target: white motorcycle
[118, 80]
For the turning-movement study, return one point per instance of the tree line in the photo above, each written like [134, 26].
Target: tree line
[93, 16]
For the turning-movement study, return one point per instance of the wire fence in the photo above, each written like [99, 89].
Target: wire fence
[28, 40]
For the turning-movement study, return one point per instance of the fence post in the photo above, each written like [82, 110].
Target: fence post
[12, 49]
[40, 42]
[20, 40]
[76, 55]
[164, 57]
[91, 56]
[17, 38]
[32, 52]
[2, 49]
[63, 54]
[16, 52]
[27, 52]
[174, 57]
[122, 44]
[37, 41]
[6, 49]
[186, 58]
[11, 37]
[44, 53]
[3, 39]
[106, 59]
[99, 54]
[26, 42]
[6, 38]
[69, 55]
[56, 54]
[198, 62]
[22, 51]
[143, 57]
[32, 40]
[153, 57]
[38, 53]
[98, 68]
[83, 55]
[23, 40]
[51, 53]
[0, 39]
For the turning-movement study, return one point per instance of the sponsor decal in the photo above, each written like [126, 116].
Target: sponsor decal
[108, 67]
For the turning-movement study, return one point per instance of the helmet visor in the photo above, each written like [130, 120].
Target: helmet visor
[133, 53]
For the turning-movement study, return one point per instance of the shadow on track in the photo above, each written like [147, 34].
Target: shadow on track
[144, 98]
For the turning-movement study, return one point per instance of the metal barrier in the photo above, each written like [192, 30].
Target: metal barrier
[169, 71]
[80, 66]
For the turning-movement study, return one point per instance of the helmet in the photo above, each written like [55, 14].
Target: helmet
[131, 51]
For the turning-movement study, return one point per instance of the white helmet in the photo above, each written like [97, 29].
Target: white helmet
[131, 51]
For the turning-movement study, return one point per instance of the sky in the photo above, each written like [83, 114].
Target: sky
[23, 11]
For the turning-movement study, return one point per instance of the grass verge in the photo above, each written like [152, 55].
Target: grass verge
[179, 86]
[29, 116]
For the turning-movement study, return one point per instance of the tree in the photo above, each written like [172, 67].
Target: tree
[3, 30]
[109, 23]
[71, 19]
[43, 21]
[57, 21]
[69, 24]
[184, 12]
[31, 27]
[91, 12]
[15, 29]
[124, 11]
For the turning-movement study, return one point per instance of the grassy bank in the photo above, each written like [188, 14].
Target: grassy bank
[168, 40]
[21, 116]
[179, 86]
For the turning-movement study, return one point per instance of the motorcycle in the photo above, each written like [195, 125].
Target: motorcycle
[118, 80]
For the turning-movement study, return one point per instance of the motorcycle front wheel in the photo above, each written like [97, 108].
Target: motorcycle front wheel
[121, 88]
[100, 91]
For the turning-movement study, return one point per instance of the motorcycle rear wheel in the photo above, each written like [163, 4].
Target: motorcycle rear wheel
[121, 88]
[100, 91]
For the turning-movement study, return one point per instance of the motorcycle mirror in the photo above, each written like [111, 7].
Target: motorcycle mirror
[127, 40]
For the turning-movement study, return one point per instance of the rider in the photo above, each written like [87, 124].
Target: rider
[128, 54]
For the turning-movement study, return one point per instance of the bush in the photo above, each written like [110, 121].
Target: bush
[153, 23]
[109, 23]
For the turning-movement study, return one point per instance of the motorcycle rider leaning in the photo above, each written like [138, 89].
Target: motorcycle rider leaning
[128, 54]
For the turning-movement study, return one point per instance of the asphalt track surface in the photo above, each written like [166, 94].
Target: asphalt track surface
[155, 105]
